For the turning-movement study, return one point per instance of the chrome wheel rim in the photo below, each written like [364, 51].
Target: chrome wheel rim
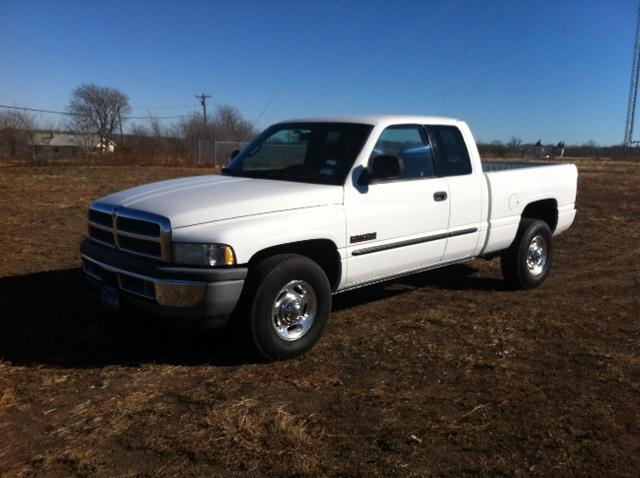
[537, 255]
[294, 310]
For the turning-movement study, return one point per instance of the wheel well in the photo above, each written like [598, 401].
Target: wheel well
[546, 210]
[322, 251]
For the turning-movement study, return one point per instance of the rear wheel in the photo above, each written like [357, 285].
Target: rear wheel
[527, 262]
[290, 306]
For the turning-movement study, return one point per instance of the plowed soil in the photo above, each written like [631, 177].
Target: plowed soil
[446, 373]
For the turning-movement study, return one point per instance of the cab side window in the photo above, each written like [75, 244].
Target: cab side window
[452, 156]
[411, 144]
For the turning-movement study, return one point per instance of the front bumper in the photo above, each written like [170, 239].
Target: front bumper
[164, 289]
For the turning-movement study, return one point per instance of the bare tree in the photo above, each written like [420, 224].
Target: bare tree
[156, 127]
[226, 124]
[230, 125]
[514, 143]
[156, 133]
[192, 128]
[99, 110]
[17, 130]
[17, 120]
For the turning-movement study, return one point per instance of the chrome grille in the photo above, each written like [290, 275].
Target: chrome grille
[99, 217]
[129, 230]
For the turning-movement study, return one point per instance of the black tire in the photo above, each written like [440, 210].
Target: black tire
[513, 260]
[265, 285]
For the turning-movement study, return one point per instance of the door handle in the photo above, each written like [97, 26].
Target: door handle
[440, 196]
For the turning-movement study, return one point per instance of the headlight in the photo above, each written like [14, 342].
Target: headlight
[203, 254]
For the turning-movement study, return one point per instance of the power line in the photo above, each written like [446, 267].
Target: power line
[473, 45]
[173, 107]
[287, 77]
[154, 117]
[94, 62]
[37, 110]
[540, 49]
[67, 113]
[420, 25]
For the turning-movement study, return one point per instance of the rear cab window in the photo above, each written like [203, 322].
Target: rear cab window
[450, 151]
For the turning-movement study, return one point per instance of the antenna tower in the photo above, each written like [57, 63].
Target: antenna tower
[633, 90]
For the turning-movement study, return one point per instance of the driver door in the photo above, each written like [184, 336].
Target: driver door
[399, 224]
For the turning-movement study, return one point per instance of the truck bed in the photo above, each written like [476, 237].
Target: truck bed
[512, 186]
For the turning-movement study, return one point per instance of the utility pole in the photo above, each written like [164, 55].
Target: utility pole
[203, 101]
[633, 90]
[120, 124]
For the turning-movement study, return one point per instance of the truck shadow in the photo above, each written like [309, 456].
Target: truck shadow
[54, 318]
[455, 277]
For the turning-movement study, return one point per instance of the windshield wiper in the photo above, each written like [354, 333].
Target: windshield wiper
[270, 174]
[252, 174]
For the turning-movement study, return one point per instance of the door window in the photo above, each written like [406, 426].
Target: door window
[411, 144]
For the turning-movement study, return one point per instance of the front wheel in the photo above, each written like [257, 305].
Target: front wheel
[290, 307]
[527, 262]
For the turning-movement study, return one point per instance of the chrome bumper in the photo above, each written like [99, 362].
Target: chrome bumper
[166, 292]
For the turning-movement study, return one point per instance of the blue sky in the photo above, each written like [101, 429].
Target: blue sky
[556, 70]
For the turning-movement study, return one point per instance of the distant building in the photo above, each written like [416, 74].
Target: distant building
[542, 151]
[69, 144]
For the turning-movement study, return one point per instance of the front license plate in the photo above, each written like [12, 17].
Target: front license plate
[110, 296]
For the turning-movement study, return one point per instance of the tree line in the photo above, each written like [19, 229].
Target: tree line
[103, 113]
[516, 148]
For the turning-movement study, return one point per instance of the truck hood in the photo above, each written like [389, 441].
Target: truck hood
[200, 199]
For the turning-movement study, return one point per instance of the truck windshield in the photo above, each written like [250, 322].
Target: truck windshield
[320, 153]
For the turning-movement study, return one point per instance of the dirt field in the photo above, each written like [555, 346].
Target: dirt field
[443, 374]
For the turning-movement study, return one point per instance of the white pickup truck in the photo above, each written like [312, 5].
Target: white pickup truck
[315, 207]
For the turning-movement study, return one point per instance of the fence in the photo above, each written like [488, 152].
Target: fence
[217, 152]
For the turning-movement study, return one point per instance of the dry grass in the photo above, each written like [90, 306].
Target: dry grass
[442, 374]
[256, 434]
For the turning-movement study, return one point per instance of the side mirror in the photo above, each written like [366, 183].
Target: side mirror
[382, 167]
[234, 153]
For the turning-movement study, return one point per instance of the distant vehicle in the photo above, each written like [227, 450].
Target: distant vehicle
[315, 207]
